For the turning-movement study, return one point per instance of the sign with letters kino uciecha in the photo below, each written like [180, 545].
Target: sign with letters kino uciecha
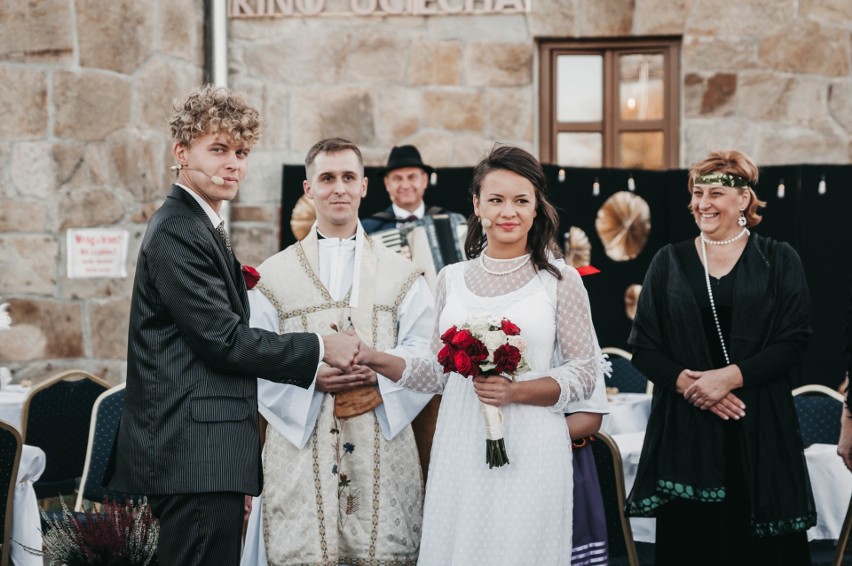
[300, 8]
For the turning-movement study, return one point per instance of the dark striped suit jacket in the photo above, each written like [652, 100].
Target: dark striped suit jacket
[190, 415]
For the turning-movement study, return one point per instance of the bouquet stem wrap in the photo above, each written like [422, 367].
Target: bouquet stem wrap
[495, 448]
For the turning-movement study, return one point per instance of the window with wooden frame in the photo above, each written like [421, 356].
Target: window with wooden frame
[610, 103]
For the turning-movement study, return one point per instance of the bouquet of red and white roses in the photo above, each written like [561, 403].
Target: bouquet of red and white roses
[486, 345]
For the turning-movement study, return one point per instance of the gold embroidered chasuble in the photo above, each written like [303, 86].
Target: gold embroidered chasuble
[350, 496]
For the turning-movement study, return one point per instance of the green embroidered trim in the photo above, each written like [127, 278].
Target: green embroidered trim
[318, 493]
[784, 527]
[722, 179]
[669, 490]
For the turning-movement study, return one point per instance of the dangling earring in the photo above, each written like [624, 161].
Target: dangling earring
[742, 219]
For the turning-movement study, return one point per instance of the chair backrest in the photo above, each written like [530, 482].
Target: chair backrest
[819, 409]
[625, 377]
[622, 548]
[843, 539]
[56, 417]
[106, 414]
[10, 459]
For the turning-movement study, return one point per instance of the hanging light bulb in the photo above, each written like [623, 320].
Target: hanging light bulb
[821, 189]
[561, 175]
[596, 188]
[781, 188]
[631, 184]
[433, 178]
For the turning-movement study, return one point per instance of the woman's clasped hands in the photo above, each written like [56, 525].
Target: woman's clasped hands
[713, 390]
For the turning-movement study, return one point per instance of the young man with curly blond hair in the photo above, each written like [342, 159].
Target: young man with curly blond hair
[188, 437]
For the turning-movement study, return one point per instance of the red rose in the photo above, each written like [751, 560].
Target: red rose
[462, 363]
[250, 276]
[447, 336]
[477, 351]
[509, 328]
[462, 339]
[506, 358]
[445, 358]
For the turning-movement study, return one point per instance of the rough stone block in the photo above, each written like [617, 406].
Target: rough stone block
[807, 47]
[254, 213]
[830, 11]
[610, 18]
[719, 53]
[23, 98]
[784, 145]
[82, 208]
[660, 17]
[376, 57]
[840, 102]
[552, 18]
[180, 32]
[116, 35]
[509, 113]
[90, 105]
[34, 169]
[43, 329]
[783, 98]
[288, 62]
[22, 216]
[174, 79]
[498, 64]
[344, 112]
[454, 109]
[471, 148]
[132, 160]
[28, 264]
[36, 32]
[399, 110]
[108, 322]
[702, 136]
[719, 95]
[507, 27]
[435, 63]
[435, 146]
[275, 115]
[744, 19]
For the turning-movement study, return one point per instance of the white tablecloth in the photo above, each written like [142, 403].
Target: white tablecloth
[12, 403]
[26, 524]
[830, 480]
[628, 412]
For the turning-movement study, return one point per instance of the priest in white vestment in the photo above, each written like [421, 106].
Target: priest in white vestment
[343, 483]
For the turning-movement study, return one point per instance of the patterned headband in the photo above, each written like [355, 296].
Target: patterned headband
[723, 180]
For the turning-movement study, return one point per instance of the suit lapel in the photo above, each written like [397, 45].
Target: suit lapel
[228, 259]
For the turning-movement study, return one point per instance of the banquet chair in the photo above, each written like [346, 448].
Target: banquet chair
[55, 417]
[819, 409]
[625, 377]
[622, 548]
[10, 458]
[106, 414]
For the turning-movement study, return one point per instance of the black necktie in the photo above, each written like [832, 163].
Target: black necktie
[409, 218]
[224, 235]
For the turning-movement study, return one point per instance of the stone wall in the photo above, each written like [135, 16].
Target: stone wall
[86, 86]
[85, 93]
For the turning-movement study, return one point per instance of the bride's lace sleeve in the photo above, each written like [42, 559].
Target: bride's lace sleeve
[424, 373]
[576, 340]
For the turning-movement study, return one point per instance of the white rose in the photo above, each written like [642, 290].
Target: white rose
[518, 342]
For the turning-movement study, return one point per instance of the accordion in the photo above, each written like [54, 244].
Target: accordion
[430, 242]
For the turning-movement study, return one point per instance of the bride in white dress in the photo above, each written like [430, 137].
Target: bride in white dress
[519, 513]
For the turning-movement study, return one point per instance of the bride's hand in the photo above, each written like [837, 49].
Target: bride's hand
[493, 390]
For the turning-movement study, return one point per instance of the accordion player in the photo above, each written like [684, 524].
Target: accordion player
[430, 242]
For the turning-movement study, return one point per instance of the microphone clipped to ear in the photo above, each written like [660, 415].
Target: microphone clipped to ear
[215, 179]
[486, 222]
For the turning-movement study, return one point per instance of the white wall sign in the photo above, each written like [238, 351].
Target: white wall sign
[97, 253]
[241, 9]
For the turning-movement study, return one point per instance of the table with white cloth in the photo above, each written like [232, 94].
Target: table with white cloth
[830, 480]
[12, 399]
[628, 412]
[26, 521]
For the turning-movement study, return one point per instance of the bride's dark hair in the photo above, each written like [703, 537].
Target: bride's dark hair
[542, 234]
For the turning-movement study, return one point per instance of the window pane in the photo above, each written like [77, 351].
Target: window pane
[641, 87]
[641, 150]
[579, 149]
[579, 88]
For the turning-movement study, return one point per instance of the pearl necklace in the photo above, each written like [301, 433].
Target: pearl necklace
[710, 294]
[508, 271]
[706, 240]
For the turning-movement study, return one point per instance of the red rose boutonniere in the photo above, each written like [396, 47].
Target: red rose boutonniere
[250, 276]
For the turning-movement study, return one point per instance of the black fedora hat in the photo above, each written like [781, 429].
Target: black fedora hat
[405, 156]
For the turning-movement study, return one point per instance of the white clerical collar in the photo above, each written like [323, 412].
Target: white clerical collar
[356, 241]
[400, 212]
[214, 217]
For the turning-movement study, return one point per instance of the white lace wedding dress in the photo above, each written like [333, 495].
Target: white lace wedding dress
[520, 513]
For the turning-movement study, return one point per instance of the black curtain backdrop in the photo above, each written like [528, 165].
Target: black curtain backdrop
[816, 225]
